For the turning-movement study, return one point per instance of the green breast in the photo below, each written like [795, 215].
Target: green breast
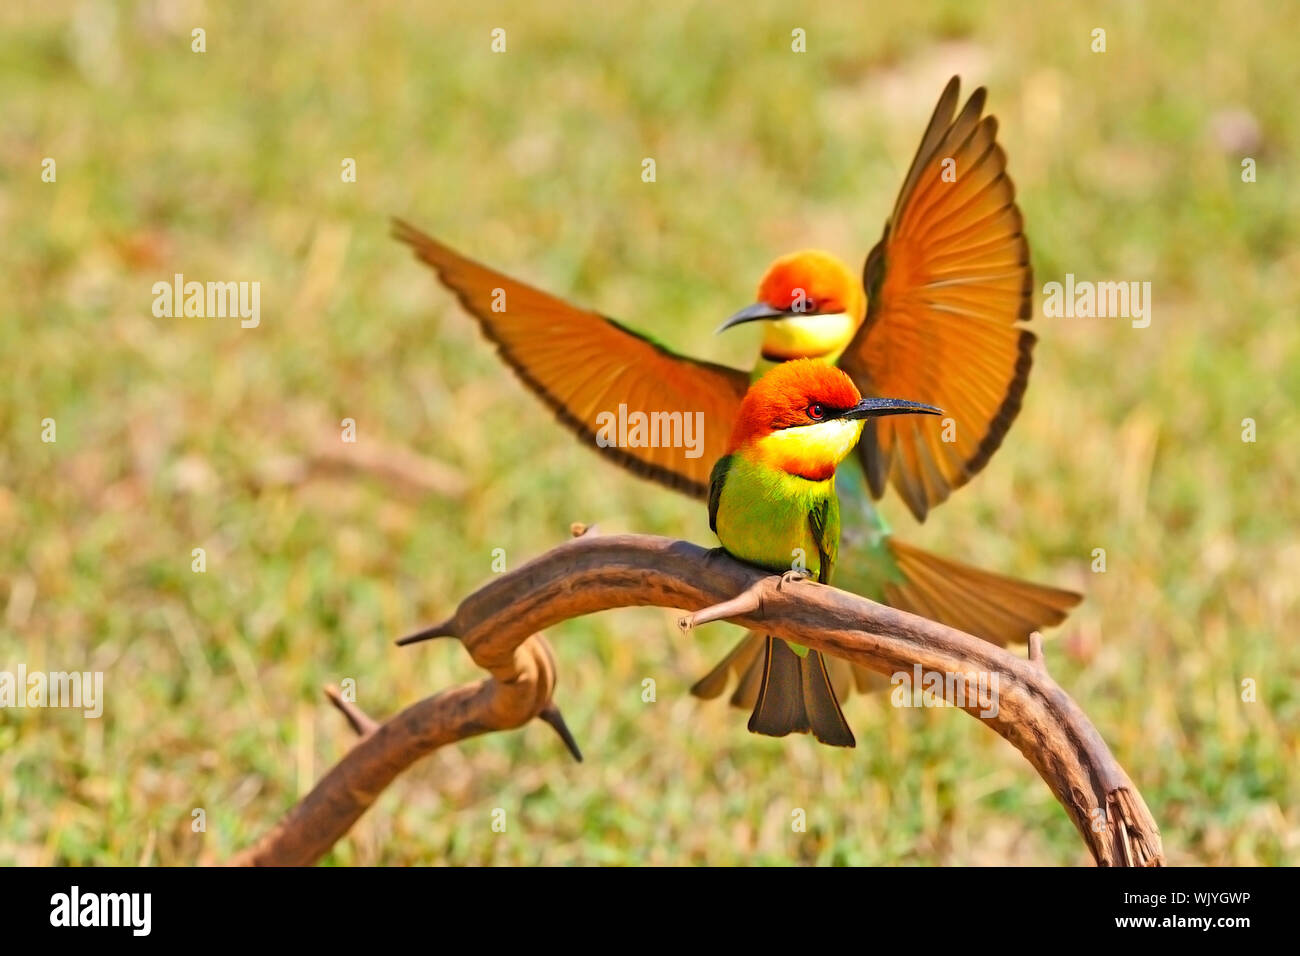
[763, 517]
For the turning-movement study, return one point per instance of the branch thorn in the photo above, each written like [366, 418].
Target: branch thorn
[356, 717]
[445, 629]
[551, 714]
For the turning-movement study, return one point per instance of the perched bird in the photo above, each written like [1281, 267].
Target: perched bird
[935, 315]
[772, 503]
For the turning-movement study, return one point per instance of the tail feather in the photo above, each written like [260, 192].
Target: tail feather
[741, 659]
[999, 609]
[780, 710]
[796, 697]
[822, 706]
[746, 694]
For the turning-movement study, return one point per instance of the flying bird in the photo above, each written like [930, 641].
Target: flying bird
[936, 314]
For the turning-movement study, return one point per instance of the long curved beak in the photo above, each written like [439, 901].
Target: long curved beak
[753, 313]
[879, 407]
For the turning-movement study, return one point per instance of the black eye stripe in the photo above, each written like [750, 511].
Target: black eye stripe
[828, 413]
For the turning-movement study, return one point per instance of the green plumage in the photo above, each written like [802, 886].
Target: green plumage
[773, 519]
[780, 521]
[868, 563]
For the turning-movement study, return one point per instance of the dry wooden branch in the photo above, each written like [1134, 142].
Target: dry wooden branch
[499, 626]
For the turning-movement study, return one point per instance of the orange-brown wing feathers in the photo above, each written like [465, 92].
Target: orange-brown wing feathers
[582, 364]
[997, 608]
[947, 286]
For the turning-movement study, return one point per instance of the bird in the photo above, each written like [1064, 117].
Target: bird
[937, 313]
[772, 498]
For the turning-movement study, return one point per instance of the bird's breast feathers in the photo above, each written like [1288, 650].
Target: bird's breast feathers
[763, 516]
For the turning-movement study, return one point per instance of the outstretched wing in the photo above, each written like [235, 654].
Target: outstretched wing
[947, 286]
[584, 366]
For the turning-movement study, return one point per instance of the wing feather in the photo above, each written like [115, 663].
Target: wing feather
[947, 285]
[582, 364]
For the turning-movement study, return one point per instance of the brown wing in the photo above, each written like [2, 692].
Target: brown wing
[584, 365]
[947, 286]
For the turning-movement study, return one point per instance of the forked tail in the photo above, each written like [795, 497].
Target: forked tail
[795, 697]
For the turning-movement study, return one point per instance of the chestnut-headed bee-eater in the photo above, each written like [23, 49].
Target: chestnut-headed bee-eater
[772, 496]
[936, 315]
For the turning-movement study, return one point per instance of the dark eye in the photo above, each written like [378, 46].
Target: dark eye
[816, 412]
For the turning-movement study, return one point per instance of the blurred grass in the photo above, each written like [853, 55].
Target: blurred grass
[179, 433]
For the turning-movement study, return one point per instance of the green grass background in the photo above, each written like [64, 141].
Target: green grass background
[183, 433]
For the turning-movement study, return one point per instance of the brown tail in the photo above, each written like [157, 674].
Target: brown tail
[795, 697]
[997, 608]
[747, 662]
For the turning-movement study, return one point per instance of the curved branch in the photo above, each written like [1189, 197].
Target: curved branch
[499, 625]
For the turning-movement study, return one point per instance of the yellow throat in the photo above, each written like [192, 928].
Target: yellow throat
[821, 337]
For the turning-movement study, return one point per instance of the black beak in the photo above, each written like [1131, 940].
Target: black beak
[753, 313]
[878, 407]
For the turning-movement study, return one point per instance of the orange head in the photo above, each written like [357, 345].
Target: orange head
[805, 416]
[813, 304]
